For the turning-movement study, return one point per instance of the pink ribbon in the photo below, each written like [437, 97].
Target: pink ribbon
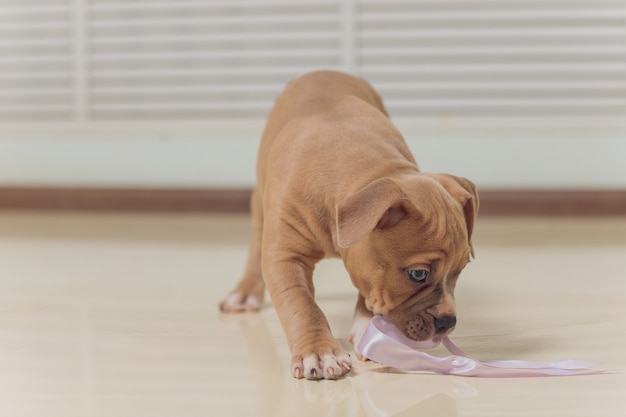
[384, 343]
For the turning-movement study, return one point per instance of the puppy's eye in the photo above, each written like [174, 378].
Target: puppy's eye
[418, 275]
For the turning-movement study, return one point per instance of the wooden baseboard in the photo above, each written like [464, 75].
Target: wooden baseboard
[492, 202]
[553, 202]
[125, 199]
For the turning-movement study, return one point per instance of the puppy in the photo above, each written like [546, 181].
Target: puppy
[336, 179]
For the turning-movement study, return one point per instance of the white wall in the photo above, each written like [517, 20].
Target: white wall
[523, 153]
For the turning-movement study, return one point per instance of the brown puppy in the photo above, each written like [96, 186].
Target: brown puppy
[336, 179]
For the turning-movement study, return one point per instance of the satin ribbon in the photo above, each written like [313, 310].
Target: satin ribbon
[384, 343]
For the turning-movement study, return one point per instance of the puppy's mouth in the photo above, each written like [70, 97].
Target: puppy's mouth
[418, 329]
[424, 327]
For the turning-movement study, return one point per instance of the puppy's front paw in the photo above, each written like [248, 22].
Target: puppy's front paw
[239, 301]
[248, 296]
[323, 360]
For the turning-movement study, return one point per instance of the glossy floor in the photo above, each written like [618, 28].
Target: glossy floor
[116, 315]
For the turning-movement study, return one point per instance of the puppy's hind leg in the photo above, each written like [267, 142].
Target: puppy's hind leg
[362, 317]
[249, 292]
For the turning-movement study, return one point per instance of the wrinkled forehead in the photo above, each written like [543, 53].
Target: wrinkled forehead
[439, 232]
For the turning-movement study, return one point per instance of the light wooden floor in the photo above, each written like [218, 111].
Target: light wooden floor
[116, 315]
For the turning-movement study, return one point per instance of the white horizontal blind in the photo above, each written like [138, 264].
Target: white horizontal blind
[36, 60]
[494, 57]
[175, 60]
[199, 59]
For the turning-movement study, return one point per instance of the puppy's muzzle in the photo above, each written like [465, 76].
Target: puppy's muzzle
[444, 323]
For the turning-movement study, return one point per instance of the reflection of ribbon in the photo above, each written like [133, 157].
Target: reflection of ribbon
[384, 343]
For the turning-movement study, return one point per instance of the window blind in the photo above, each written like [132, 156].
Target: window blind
[103, 61]
[36, 61]
[459, 58]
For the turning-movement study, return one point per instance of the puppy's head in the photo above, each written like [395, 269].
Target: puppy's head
[404, 243]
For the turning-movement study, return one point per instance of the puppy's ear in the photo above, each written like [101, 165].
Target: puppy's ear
[378, 204]
[463, 191]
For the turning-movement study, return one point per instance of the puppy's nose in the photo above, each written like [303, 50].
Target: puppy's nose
[444, 323]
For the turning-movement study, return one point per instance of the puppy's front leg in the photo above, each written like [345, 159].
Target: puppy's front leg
[315, 352]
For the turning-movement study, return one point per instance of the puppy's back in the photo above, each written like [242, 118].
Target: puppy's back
[320, 85]
[310, 94]
[328, 130]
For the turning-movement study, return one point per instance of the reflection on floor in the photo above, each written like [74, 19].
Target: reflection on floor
[115, 315]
